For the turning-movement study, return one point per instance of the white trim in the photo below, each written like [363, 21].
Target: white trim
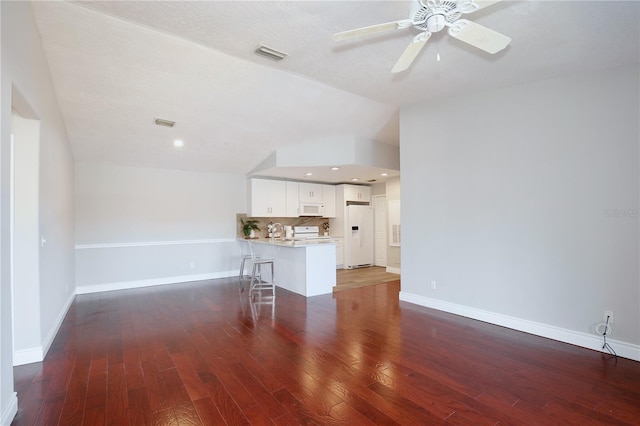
[623, 349]
[46, 345]
[153, 243]
[12, 239]
[380, 242]
[10, 412]
[27, 356]
[124, 285]
[37, 354]
[393, 270]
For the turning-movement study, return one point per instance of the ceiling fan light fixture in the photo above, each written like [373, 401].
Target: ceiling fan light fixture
[435, 23]
[270, 53]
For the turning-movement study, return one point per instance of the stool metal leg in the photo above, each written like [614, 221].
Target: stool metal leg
[258, 283]
[241, 269]
[252, 284]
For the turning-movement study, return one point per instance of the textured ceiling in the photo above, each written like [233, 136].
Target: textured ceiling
[118, 65]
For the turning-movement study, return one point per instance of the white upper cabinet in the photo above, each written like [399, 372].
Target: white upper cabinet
[293, 205]
[310, 192]
[319, 193]
[329, 200]
[357, 193]
[277, 198]
[267, 198]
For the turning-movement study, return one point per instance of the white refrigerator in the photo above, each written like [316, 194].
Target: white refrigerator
[358, 241]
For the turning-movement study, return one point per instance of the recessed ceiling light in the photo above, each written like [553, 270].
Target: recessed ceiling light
[308, 174]
[354, 179]
[335, 168]
[384, 174]
[178, 143]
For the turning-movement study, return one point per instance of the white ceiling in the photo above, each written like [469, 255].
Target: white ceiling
[118, 65]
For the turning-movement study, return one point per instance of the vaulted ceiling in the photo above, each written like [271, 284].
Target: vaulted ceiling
[118, 65]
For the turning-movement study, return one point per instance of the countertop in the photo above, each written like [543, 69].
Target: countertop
[292, 243]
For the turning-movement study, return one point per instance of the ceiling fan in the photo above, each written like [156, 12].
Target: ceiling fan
[431, 16]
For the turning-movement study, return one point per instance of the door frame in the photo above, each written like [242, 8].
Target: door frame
[380, 226]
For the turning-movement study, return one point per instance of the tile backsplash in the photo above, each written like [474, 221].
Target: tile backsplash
[264, 221]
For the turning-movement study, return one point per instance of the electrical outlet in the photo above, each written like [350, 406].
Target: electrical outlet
[433, 285]
[608, 314]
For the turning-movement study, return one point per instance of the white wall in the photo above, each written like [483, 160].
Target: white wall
[26, 229]
[522, 204]
[25, 84]
[140, 226]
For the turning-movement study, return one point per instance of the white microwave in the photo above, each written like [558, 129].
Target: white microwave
[311, 209]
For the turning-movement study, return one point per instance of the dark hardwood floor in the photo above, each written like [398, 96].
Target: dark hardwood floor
[201, 353]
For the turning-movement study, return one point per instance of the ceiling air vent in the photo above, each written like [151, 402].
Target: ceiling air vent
[165, 123]
[270, 53]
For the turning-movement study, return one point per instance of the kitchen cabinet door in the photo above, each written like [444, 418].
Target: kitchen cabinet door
[357, 193]
[310, 192]
[339, 253]
[267, 198]
[329, 200]
[293, 205]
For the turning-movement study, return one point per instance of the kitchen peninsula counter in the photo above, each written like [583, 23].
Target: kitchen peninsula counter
[304, 267]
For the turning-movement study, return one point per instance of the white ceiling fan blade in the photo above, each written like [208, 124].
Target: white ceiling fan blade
[372, 29]
[469, 6]
[485, 3]
[410, 53]
[476, 35]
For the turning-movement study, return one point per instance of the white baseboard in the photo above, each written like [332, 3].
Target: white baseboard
[37, 354]
[393, 270]
[10, 411]
[124, 285]
[584, 340]
[27, 356]
[46, 344]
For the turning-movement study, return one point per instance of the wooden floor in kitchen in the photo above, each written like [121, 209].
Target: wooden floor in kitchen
[347, 279]
[204, 353]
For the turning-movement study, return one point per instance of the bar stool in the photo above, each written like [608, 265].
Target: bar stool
[245, 254]
[257, 282]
